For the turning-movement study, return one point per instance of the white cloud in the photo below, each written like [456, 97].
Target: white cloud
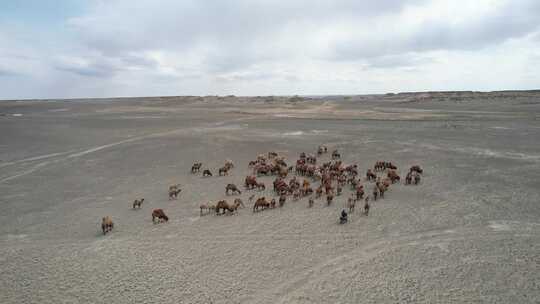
[241, 47]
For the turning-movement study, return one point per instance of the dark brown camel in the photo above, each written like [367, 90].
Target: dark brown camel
[138, 203]
[232, 188]
[159, 215]
[106, 224]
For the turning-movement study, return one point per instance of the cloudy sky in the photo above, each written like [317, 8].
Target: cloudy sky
[100, 48]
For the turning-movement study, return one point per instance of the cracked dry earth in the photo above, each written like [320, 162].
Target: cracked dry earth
[469, 233]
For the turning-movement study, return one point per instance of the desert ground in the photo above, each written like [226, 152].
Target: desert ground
[468, 233]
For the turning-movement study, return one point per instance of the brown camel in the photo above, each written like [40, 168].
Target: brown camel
[366, 206]
[232, 188]
[393, 176]
[282, 199]
[159, 215]
[138, 203]
[223, 171]
[261, 203]
[370, 176]
[250, 182]
[351, 202]
[223, 205]
[196, 167]
[329, 199]
[107, 224]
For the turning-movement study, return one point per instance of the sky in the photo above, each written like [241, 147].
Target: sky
[107, 48]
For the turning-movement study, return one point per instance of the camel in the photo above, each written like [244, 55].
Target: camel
[106, 224]
[250, 182]
[370, 176]
[281, 186]
[137, 203]
[229, 164]
[394, 177]
[173, 194]
[223, 205]
[329, 199]
[359, 193]
[261, 203]
[196, 167]
[282, 199]
[318, 192]
[206, 173]
[159, 215]
[232, 188]
[208, 207]
[223, 171]
[366, 206]
[351, 202]
[174, 191]
[382, 189]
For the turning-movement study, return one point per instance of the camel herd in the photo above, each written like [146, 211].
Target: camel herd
[307, 178]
